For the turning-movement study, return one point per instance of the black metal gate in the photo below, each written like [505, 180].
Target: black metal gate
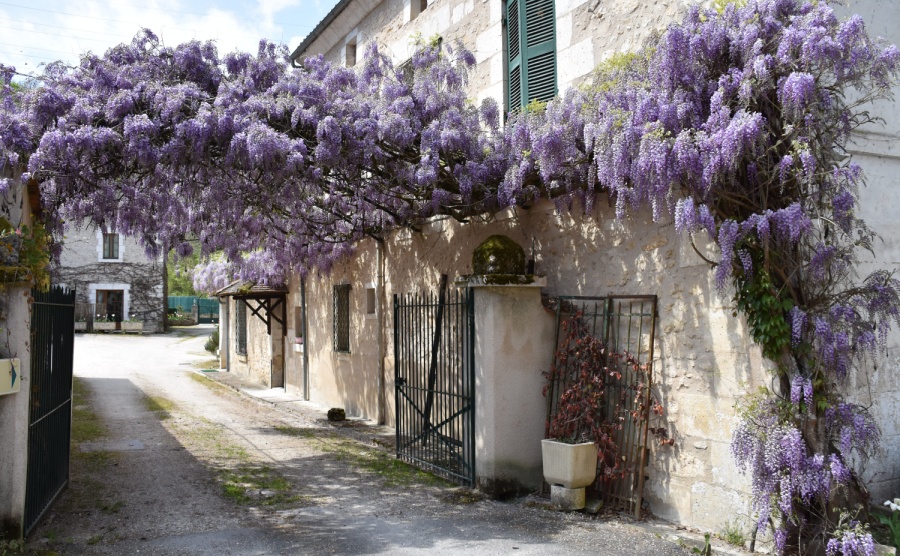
[50, 415]
[624, 324]
[434, 374]
[207, 311]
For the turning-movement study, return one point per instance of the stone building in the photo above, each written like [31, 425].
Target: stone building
[113, 278]
[330, 338]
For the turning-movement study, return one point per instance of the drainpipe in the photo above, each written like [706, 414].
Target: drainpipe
[379, 316]
[305, 334]
[225, 332]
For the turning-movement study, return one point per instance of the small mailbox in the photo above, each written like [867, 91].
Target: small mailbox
[10, 376]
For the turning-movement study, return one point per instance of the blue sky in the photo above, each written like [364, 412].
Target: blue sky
[33, 32]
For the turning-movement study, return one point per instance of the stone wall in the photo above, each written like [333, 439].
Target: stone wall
[588, 32]
[82, 267]
[877, 150]
[704, 362]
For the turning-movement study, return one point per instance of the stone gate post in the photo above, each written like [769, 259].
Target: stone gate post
[514, 340]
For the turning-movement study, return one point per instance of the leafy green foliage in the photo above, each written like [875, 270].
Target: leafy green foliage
[212, 344]
[765, 310]
[178, 274]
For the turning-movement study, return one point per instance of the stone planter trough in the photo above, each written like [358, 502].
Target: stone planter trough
[133, 327]
[569, 465]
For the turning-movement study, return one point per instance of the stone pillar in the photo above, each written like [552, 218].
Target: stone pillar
[514, 337]
[14, 419]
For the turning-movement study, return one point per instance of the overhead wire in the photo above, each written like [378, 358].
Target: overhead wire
[70, 14]
[25, 22]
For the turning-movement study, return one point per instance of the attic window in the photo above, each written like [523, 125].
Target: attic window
[416, 7]
[370, 301]
[350, 53]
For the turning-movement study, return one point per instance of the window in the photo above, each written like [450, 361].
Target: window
[342, 318]
[110, 305]
[110, 246]
[370, 300]
[416, 7]
[407, 72]
[241, 325]
[531, 48]
[350, 53]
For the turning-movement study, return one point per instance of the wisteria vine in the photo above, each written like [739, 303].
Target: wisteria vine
[732, 123]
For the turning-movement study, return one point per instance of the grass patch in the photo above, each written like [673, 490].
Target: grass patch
[732, 534]
[8, 548]
[207, 364]
[156, 403]
[162, 407]
[394, 472]
[210, 383]
[112, 508]
[296, 431]
[86, 425]
[256, 485]
[243, 481]
[463, 496]
[208, 437]
[93, 459]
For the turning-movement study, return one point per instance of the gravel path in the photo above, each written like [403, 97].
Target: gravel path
[188, 466]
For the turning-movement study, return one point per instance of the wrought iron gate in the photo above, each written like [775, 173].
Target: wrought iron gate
[50, 415]
[434, 374]
[624, 324]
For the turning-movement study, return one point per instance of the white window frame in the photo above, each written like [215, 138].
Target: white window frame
[121, 257]
[351, 44]
[414, 8]
[126, 296]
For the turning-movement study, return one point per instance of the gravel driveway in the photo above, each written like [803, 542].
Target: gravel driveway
[184, 465]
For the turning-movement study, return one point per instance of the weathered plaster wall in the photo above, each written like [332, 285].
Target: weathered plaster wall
[702, 365]
[256, 364]
[348, 380]
[14, 413]
[877, 150]
[15, 323]
[704, 362]
[81, 266]
[514, 338]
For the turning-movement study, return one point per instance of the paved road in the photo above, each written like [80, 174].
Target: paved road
[154, 484]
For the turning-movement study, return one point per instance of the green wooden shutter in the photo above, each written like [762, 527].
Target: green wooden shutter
[514, 47]
[531, 40]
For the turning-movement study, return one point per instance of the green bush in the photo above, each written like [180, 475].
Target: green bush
[212, 344]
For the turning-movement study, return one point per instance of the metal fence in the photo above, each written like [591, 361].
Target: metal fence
[50, 417]
[624, 324]
[207, 308]
[434, 373]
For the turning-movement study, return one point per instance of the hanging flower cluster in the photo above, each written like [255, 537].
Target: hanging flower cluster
[732, 123]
